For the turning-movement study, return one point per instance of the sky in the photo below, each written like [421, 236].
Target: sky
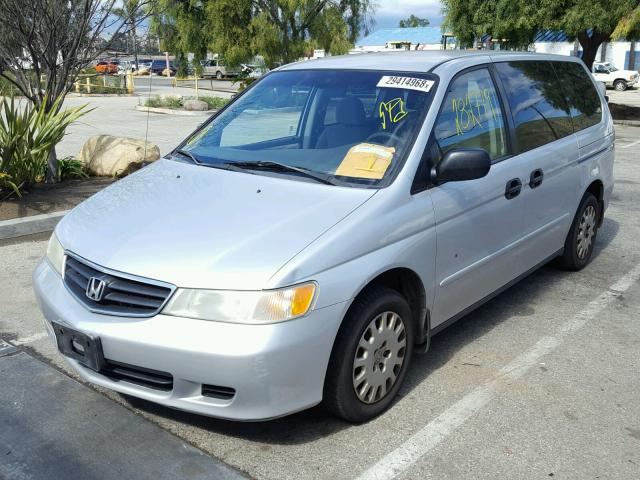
[389, 12]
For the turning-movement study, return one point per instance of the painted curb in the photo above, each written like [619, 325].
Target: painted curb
[18, 227]
[171, 111]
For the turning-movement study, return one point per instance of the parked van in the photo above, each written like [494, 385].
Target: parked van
[216, 68]
[301, 245]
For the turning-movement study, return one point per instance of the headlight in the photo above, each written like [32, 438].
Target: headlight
[55, 253]
[253, 307]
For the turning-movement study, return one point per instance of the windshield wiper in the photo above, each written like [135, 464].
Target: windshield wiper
[188, 154]
[281, 167]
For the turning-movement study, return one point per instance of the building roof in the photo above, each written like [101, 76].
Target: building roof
[422, 35]
[551, 36]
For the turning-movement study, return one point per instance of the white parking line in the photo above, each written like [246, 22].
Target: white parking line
[630, 144]
[427, 438]
[31, 338]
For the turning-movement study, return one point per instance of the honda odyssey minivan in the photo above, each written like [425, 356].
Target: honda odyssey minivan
[301, 245]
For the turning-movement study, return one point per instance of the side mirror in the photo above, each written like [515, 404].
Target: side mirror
[461, 164]
[603, 89]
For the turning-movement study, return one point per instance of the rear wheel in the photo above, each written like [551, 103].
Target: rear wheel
[578, 246]
[219, 75]
[370, 357]
[620, 85]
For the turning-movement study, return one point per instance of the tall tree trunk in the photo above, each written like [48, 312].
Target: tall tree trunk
[52, 167]
[632, 56]
[135, 43]
[590, 45]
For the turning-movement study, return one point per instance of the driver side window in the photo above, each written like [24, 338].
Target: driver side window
[471, 116]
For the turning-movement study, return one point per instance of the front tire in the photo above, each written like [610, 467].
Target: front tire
[620, 85]
[371, 355]
[578, 246]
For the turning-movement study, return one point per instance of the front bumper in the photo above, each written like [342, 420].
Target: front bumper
[275, 369]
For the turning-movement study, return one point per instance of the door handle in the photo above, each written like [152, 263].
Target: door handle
[536, 178]
[514, 186]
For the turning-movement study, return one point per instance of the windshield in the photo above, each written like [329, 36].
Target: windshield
[605, 67]
[352, 126]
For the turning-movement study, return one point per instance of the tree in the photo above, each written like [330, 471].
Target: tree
[45, 45]
[281, 31]
[182, 28]
[591, 22]
[132, 13]
[413, 22]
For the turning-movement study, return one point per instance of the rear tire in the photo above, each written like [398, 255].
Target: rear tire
[219, 75]
[578, 246]
[371, 355]
[620, 85]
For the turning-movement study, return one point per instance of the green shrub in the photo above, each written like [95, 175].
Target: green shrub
[163, 102]
[157, 101]
[7, 88]
[69, 168]
[27, 135]
[215, 103]
[110, 84]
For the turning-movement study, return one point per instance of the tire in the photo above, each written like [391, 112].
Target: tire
[219, 75]
[620, 85]
[578, 246]
[374, 319]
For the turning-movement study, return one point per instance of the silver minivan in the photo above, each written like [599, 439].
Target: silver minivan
[307, 240]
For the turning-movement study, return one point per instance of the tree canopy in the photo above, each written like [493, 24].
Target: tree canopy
[281, 31]
[516, 22]
[412, 22]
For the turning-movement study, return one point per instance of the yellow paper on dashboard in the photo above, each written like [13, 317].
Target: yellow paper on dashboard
[366, 160]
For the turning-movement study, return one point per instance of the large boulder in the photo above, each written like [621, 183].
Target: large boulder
[196, 105]
[106, 155]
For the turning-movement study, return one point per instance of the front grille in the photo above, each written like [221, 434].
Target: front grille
[119, 296]
[146, 377]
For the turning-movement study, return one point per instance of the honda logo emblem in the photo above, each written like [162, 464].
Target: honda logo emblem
[95, 288]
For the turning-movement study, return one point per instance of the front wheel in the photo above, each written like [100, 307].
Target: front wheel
[620, 85]
[578, 246]
[370, 357]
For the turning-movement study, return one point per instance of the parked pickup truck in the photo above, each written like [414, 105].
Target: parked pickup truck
[607, 73]
[216, 68]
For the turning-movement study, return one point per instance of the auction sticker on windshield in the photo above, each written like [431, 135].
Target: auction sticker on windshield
[411, 83]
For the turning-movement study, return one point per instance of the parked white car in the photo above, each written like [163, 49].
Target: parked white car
[607, 73]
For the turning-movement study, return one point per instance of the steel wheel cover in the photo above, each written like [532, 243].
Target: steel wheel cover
[379, 357]
[586, 231]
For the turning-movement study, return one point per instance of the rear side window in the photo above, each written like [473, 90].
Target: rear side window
[581, 94]
[471, 116]
[538, 104]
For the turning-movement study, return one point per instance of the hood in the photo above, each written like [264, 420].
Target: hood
[199, 227]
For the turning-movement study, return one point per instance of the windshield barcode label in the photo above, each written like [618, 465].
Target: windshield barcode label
[411, 83]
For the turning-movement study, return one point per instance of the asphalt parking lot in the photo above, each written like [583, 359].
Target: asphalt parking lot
[540, 382]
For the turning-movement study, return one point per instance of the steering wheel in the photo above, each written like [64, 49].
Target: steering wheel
[386, 137]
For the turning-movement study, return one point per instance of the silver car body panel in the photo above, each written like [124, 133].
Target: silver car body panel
[200, 227]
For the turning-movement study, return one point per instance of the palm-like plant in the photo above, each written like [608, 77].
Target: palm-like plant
[132, 13]
[27, 135]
